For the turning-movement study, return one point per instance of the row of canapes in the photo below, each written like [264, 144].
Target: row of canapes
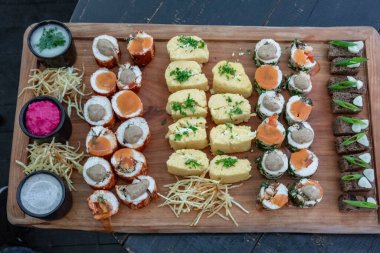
[116, 95]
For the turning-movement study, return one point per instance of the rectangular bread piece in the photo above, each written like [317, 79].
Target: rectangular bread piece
[346, 97]
[344, 207]
[346, 166]
[341, 52]
[342, 70]
[337, 79]
[363, 184]
[355, 147]
[340, 127]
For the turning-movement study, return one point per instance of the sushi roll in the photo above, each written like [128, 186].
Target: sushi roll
[303, 163]
[129, 77]
[349, 163]
[299, 84]
[98, 174]
[359, 181]
[126, 104]
[139, 193]
[98, 111]
[103, 204]
[349, 202]
[345, 49]
[270, 133]
[300, 136]
[141, 48]
[301, 56]
[272, 164]
[270, 103]
[273, 196]
[101, 142]
[306, 193]
[267, 51]
[298, 109]
[133, 133]
[268, 77]
[129, 163]
[106, 51]
[103, 82]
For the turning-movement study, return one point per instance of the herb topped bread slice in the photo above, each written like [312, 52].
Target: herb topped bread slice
[346, 66]
[344, 125]
[180, 75]
[230, 77]
[352, 144]
[349, 202]
[229, 169]
[345, 49]
[346, 84]
[187, 48]
[349, 163]
[187, 162]
[359, 181]
[186, 103]
[343, 102]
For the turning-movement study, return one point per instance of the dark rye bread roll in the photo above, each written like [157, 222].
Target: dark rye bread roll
[337, 79]
[341, 127]
[352, 148]
[344, 207]
[346, 97]
[341, 52]
[346, 166]
[342, 70]
[357, 185]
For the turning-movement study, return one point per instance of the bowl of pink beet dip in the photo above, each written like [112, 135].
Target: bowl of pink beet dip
[43, 118]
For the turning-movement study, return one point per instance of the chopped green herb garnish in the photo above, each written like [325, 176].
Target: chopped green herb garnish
[342, 43]
[100, 199]
[227, 69]
[229, 99]
[192, 163]
[356, 161]
[177, 137]
[187, 41]
[347, 105]
[342, 85]
[227, 162]
[351, 120]
[351, 177]
[193, 128]
[362, 204]
[181, 75]
[353, 139]
[51, 38]
[351, 61]
[229, 126]
[219, 152]
[189, 104]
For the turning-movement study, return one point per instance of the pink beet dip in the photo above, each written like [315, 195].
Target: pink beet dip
[42, 117]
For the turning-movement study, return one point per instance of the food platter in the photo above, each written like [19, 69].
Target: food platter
[224, 43]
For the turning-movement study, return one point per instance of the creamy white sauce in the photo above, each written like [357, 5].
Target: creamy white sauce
[364, 183]
[358, 101]
[369, 174]
[365, 157]
[356, 65]
[358, 127]
[364, 141]
[371, 200]
[359, 83]
[357, 48]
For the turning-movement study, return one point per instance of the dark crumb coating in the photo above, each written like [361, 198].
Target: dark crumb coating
[341, 127]
[355, 147]
[336, 79]
[345, 166]
[344, 207]
[342, 52]
[342, 70]
[352, 185]
[346, 97]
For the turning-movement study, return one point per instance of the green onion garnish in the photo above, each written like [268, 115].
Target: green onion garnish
[351, 120]
[353, 139]
[356, 161]
[342, 85]
[192, 163]
[342, 43]
[351, 177]
[347, 105]
[363, 204]
[351, 61]
[227, 162]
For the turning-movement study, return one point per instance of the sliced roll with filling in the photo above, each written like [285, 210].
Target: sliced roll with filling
[273, 196]
[98, 174]
[299, 84]
[269, 104]
[229, 169]
[306, 193]
[268, 77]
[126, 104]
[303, 163]
[129, 77]
[301, 56]
[272, 164]
[101, 142]
[103, 204]
[300, 136]
[270, 133]
[129, 163]
[103, 82]
[98, 111]
[141, 48]
[187, 162]
[298, 109]
[106, 51]
[134, 133]
[267, 51]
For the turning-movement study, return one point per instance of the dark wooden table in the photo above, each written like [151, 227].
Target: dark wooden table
[243, 12]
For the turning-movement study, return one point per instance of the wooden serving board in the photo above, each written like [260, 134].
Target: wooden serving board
[222, 42]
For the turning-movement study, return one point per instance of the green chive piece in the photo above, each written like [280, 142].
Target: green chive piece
[181, 75]
[51, 38]
[342, 43]
[342, 85]
[187, 41]
[351, 61]
[227, 69]
[352, 121]
[347, 105]
[227, 162]
[219, 152]
[351, 177]
[192, 163]
[356, 161]
[362, 204]
[353, 139]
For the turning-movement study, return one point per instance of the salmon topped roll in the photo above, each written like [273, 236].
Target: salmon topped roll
[129, 163]
[270, 133]
[106, 51]
[301, 56]
[103, 82]
[98, 174]
[126, 104]
[298, 109]
[267, 51]
[129, 77]
[98, 111]
[133, 133]
[303, 163]
[306, 193]
[139, 193]
[268, 77]
[103, 204]
[273, 196]
[101, 142]
[141, 48]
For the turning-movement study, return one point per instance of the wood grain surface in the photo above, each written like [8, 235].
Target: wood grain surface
[222, 41]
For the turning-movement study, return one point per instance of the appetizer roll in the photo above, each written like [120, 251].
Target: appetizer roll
[187, 162]
[230, 77]
[270, 103]
[181, 75]
[300, 136]
[346, 66]
[187, 48]
[141, 48]
[188, 133]
[344, 125]
[303, 163]
[229, 169]
[350, 202]
[306, 193]
[267, 51]
[345, 49]
[98, 111]
[270, 133]
[103, 82]
[348, 84]
[349, 163]
[349, 144]
[129, 163]
[129, 77]
[229, 138]
[301, 56]
[101, 142]
[343, 102]
[106, 51]
[298, 109]
[103, 204]
[98, 174]
[359, 181]
[133, 133]
[229, 108]
[139, 193]
[299, 84]
[272, 164]
[268, 77]
[273, 196]
[187, 103]
[126, 104]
